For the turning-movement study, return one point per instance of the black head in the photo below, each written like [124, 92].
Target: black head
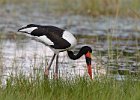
[85, 50]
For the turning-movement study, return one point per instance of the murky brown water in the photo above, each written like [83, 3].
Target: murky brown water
[115, 41]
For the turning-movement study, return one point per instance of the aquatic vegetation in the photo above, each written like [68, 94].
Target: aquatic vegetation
[25, 88]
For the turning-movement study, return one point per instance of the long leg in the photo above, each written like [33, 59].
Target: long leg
[56, 69]
[46, 73]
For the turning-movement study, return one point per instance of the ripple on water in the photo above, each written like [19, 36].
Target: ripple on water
[115, 41]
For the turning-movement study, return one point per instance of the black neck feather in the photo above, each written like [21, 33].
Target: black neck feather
[74, 57]
[82, 51]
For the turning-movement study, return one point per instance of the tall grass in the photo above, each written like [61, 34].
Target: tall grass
[79, 89]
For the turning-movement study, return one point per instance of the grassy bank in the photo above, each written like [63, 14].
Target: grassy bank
[79, 89]
[84, 7]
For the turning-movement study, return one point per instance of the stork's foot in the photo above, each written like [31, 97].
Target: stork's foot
[55, 76]
[46, 73]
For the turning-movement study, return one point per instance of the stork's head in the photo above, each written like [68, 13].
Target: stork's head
[28, 29]
[85, 50]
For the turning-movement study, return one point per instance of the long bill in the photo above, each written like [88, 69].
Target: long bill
[88, 61]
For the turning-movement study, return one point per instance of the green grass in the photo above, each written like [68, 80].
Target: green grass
[22, 88]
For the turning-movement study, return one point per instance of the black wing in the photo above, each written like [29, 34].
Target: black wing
[54, 34]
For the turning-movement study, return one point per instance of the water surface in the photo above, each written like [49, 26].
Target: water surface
[115, 42]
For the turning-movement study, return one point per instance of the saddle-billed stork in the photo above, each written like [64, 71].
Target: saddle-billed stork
[58, 40]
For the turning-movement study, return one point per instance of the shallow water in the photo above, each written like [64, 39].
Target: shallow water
[115, 42]
[30, 58]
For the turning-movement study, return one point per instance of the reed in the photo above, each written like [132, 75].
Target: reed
[24, 88]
